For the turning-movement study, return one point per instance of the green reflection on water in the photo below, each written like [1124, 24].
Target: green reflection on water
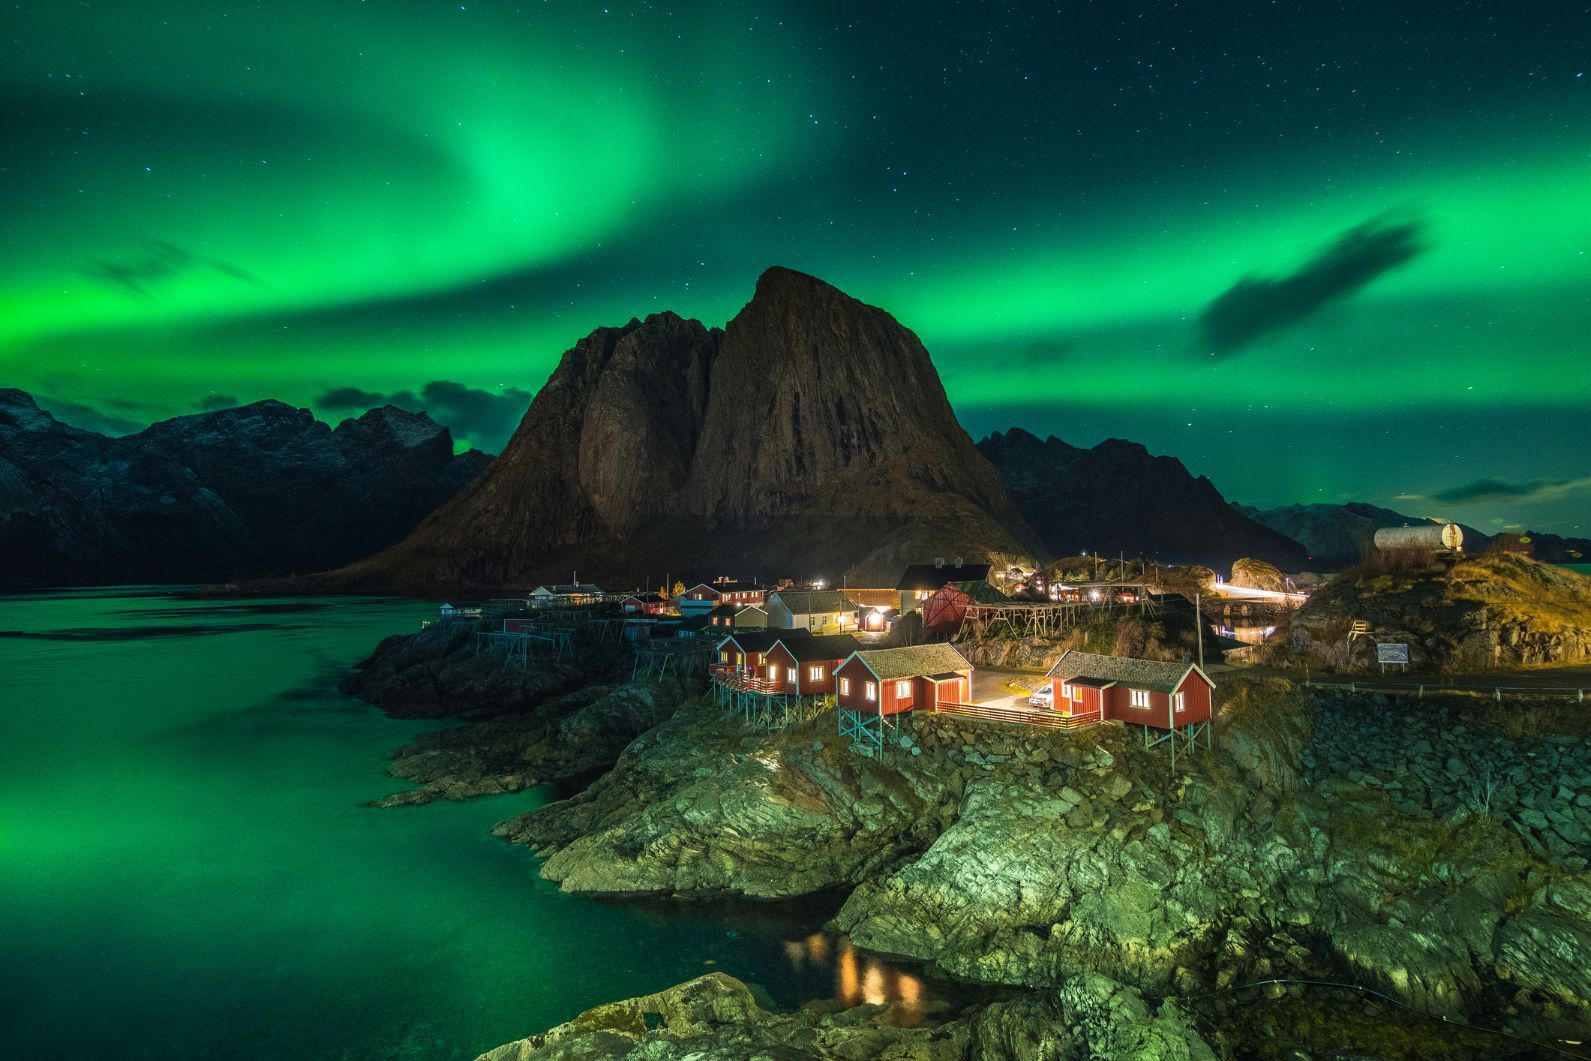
[186, 867]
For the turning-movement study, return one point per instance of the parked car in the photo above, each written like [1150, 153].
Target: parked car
[1043, 698]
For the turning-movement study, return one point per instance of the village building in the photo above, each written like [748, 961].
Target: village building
[873, 686]
[806, 665]
[946, 609]
[922, 581]
[705, 596]
[643, 604]
[816, 610]
[566, 593]
[1174, 699]
[738, 617]
[743, 651]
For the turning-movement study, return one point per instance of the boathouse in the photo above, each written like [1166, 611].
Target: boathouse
[1142, 692]
[817, 610]
[806, 665]
[922, 581]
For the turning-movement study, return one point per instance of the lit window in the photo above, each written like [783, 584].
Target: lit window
[723, 657]
[1177, 702]
[845, 686]
[903, 689]
[773, 674]
[1140, 698]
[871, 689]
[815, 673]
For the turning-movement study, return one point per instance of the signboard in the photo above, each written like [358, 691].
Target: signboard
[1392, 652]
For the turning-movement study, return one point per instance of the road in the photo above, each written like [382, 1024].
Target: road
[989, 686]
[1546, 680]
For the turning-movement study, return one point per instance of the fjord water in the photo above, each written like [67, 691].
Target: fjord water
[187, 868]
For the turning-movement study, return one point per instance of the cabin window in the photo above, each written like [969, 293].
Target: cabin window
[723, 657]
[903, 689]
[1140, 698]
[871, 690]
[773, 673]
[924, 594]
[845, 686]
[1177, 703]
[815, 673]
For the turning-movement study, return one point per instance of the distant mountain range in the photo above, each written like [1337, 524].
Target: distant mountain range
[1118, 498]
[810, 435]
[263, 489]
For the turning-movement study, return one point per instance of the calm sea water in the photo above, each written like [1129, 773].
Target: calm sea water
[187, 870]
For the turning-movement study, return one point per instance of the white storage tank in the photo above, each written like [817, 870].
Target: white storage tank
[1447, 536]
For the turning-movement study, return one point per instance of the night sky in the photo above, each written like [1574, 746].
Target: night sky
[1320, 251]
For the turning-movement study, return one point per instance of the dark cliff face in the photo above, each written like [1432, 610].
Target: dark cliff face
[256, 490]
[810, 435]
[1117, 497]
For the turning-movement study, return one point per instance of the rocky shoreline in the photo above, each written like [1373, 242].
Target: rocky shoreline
[1420, 849]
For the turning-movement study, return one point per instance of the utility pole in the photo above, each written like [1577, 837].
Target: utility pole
[1198, 628]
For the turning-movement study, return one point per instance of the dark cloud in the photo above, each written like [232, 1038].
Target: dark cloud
[1498, 490]
[211, 402]
[484, 418]
[87, 417]
[352, 399]
[143, 270]
[1254, 307]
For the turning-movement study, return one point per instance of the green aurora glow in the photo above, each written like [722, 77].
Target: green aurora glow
[279, 201]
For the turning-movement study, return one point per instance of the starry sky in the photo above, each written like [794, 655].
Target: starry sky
[1320, 251]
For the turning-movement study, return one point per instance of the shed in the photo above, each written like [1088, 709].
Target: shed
[888, 681]
[921, 581]
[1143, 692]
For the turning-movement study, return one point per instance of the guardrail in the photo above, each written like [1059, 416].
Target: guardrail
[1044, 719]
[1419, 689]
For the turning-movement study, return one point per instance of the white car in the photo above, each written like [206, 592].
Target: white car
[1043, 698]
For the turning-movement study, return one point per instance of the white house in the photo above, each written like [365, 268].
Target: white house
[811, 609]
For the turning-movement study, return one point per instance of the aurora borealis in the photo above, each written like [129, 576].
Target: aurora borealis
[1319, 252]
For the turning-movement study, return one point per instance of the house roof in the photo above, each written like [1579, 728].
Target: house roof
[815, 601]
[758, 640]
[569, 589]
[1135, 673]
[912, 661]
[809, 649]
[645, 598]
[927, 576]
[725, 587]
[725, 609]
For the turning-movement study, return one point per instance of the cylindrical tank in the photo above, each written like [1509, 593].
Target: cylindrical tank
[1425, 536]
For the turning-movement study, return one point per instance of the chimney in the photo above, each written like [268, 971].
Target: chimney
[939, 562]
[958, 561]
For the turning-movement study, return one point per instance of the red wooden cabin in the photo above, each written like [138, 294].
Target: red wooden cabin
[643, 604]
[744, 650]
[1140, 691]
[888, 681]
[806, 665]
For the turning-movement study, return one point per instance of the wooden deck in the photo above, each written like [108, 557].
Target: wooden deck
[1043, 719]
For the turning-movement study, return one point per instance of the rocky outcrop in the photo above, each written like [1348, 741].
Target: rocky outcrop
[1117, 498]
[1249, 573]
[1339, 536]
[810, 434]
[1482, 613]
[256, 490]
[717, 1016]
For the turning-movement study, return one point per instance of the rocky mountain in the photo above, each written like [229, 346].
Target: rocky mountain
[1338, 535]
[810, 434]
[261, 489]
[1116, 497]
[1478, 613]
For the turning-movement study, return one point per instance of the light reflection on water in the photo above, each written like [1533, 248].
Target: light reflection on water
[861, 978]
